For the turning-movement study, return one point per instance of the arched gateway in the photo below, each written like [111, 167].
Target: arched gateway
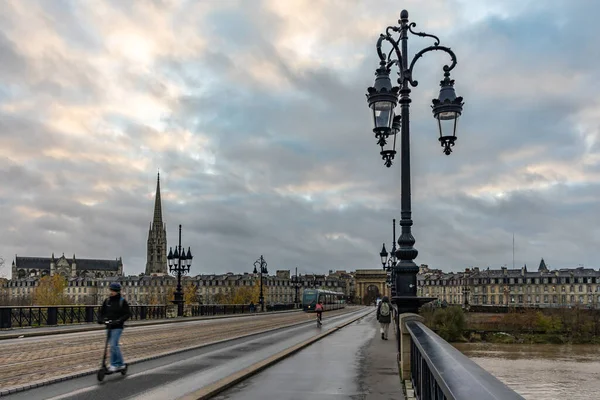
[370, 284]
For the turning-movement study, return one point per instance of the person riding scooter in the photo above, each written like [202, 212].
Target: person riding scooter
[114, 313]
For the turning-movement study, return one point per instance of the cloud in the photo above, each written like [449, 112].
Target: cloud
[255, 113]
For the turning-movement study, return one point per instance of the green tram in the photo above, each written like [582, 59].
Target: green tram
[330, 300]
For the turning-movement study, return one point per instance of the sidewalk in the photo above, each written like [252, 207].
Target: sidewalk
[16, 333]
[380, 375]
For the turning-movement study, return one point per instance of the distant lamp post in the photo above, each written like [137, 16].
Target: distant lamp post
[466, 292]
[389, 264]
[296, 284]
[383, 98]
[179, 264]
[260, 268]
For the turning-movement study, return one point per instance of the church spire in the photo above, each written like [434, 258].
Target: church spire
[157, 222]
[156, 262]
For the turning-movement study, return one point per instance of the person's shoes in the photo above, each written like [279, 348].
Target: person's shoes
[382, 337]
[385, 338]
[112, 368]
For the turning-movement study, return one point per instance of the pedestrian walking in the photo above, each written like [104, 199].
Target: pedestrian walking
[115, 310]
[384, 316]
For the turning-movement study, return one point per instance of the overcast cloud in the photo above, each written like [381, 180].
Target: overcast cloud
[255, 113]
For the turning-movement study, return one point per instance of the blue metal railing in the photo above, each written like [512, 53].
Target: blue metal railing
[441, 372]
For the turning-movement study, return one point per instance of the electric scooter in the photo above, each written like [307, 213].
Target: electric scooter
[103, 371]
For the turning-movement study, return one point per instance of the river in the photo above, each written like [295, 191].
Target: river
[543, 371]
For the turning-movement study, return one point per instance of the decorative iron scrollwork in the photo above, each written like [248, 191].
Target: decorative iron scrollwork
[423, 34]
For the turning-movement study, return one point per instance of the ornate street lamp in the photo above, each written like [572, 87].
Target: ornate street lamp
[179, 264]
[260, 267]
[296, 284]
[390, 264]
[383, 98]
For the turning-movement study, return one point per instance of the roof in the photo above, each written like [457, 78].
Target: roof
[81, 264]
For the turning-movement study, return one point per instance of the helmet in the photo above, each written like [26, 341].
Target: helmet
[116, 286]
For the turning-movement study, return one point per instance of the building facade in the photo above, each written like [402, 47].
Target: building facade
[37, 267]
[159, 289]
[156, 254]
[566, 287]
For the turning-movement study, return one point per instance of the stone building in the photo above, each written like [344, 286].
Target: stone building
[158, 289]
[566, 287]
[37, 267]
[156, 255]
[371, 284]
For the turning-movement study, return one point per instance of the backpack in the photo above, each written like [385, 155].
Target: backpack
[385, 309]
[121, 300]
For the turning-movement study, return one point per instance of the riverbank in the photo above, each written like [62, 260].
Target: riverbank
[525, 338]
[576, 326]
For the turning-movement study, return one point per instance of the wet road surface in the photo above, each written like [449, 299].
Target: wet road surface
[336, 367]
[173, 376]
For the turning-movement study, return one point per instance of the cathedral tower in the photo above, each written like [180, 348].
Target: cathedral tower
[156, 261]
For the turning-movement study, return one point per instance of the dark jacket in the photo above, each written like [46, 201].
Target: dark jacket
[384, 319]
[114, 311]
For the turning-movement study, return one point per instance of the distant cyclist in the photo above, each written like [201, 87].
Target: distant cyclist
[319, 310]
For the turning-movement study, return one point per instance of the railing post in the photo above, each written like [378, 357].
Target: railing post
[89, 313]
[52, 316]
[5, 317]
[405, 341]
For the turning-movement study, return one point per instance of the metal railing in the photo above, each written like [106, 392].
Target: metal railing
[37, 316]
[441, 372]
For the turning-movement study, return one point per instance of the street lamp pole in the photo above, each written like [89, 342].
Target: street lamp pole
[175, 267]
[296, 283]
[390, 264]
[383, 99]
[260, 267]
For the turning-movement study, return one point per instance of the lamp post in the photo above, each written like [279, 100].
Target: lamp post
[466, 292]
[383, 99]
[260, 267]
[296, 283]
[179, 264]
[390, 264]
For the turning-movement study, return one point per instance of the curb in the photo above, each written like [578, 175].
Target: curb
[221, 385]
[89, 327]
[149, 358]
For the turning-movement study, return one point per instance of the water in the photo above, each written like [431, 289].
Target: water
[541, 372]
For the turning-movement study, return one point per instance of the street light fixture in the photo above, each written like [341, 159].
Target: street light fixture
[390, 264]
[296, 284]
[260, 268]
[179, 264]
[383, 98]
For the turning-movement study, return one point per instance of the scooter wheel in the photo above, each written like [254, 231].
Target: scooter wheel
[124, 370]
[101, 374]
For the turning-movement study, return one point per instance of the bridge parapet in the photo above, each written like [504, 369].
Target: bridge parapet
[437, 370]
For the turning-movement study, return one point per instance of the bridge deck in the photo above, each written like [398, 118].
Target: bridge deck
[354, 361]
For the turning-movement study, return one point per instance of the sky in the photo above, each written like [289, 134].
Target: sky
[256, 115]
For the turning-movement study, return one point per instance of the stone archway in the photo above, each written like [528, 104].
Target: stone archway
[371, 295]
[370, 278]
